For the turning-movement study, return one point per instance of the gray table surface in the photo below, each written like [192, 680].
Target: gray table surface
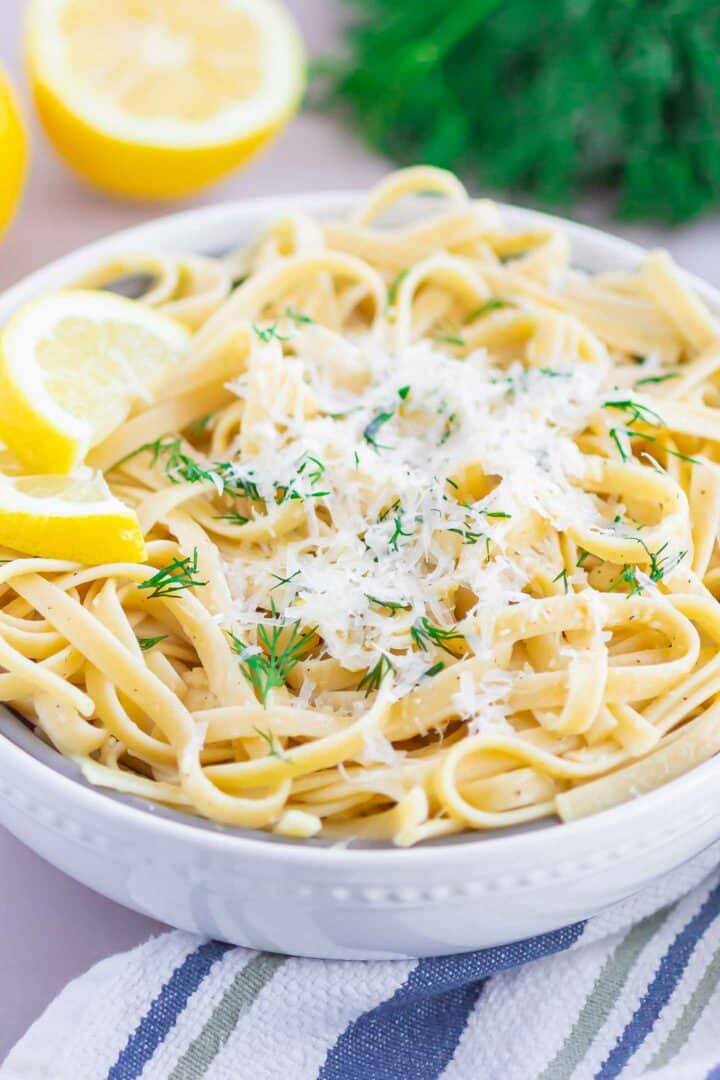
[53, 929]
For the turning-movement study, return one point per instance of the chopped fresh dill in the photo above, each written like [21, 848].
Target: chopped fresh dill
[469, 536]
[491, 304]
[269, 333]
[637, 411]
[661, 565]
[656, 378]
[395, 284]
[423, 631]
[562, 576]
[653, 438]
[403, 392]
[388, 510]
[582, 556]
[451, 482]
[434, 670]
[179, 467]
[283, 580]
[391, 605]
[156, 448]
[274, 748]
[447, 335]
[233, 517]
[375, 676]
[356, 458]
[315, 474]
[199, 426]
[616, 440]
[174, 578]
[452, 424]
[370, 430]
[398, 532]
[551, 373]
[627, 577]
[298, 317]
[283, 648]
[147, 643]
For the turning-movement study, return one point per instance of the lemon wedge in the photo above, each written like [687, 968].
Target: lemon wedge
[13, 152]
[71, 366]
[68, 517]
[151, 100]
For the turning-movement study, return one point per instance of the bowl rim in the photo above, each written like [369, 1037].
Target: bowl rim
[141, 813]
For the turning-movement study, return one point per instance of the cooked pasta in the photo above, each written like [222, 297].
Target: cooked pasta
[431, 519]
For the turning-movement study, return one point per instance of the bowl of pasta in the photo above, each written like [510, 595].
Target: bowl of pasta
[359, 569]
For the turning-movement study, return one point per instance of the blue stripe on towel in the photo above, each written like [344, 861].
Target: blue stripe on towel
[163, 1014]
[415, 1032]
[660, 990]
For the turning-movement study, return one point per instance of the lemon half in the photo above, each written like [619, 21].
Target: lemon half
[71, 367]
[157, 98]
[13, 152]
[68, 517]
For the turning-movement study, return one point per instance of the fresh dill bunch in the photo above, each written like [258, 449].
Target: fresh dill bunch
[547, 99]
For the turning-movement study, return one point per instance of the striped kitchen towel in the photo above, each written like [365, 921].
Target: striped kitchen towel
[633, 992]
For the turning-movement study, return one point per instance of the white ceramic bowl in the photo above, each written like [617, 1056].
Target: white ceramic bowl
[308, 897]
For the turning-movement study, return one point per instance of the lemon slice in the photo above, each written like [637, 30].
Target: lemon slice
[13, 152]
[71, 366]
[159, 99]
[68, 517]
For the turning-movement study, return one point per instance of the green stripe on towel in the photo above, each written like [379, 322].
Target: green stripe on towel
[604, 994]
[236, 1000]
[690, 1015]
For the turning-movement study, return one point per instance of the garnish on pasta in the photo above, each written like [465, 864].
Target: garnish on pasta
[431, 519]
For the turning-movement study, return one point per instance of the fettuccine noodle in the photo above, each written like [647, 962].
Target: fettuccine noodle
[431, 519]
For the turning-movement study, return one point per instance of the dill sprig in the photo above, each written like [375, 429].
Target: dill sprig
[452, 424]
[274, 748]
[628, 576]
[395, 284]
[174, 578]
[283, 647]
[494, 303]
[446, 334]
[371, 429]
[637, 412]
[147, 643]
[656, 378]
[653, 438]
[562, 576]
[391, 605]
[197, 427]
[374, 678]
[284, 580]
[584, 554]
[424, 632]
[298, 317]
[397, 533]
[662, 562]
[179, 466]
[233, 517]
[268, 333]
